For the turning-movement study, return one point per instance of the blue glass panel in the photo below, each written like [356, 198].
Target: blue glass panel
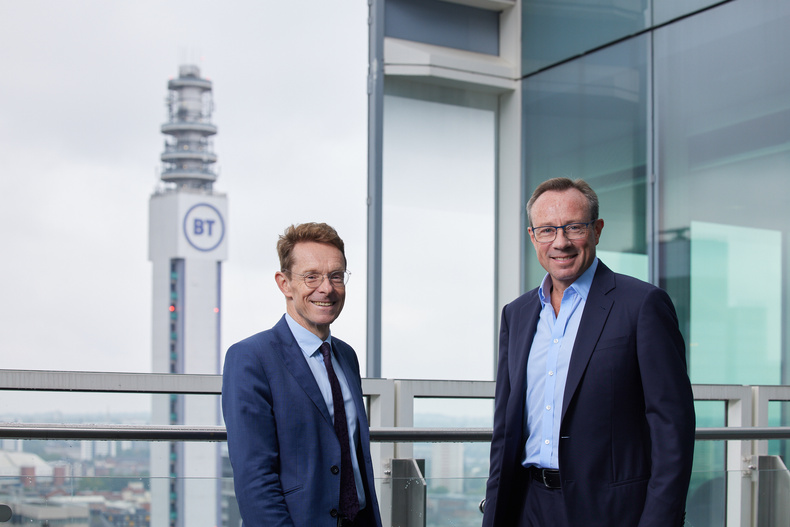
[587, 119]
[666, 10]
[443, 24]
[556, 31]
[723, 104]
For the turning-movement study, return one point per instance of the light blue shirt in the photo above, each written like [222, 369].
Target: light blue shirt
[547, 369]
[310, 344]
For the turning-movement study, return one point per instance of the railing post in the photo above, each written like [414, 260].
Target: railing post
[381, 397]
[404, 415]
[739, 460]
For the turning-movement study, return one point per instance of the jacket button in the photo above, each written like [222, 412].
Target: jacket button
[335, 470]
[333, 513]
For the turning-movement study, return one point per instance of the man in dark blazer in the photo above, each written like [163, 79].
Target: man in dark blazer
[285, 393]
[594, 413]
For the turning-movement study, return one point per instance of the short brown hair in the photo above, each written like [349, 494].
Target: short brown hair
[562, 183]
[306, 232]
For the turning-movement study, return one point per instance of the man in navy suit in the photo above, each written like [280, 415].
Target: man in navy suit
[594, 414]
[298, 434]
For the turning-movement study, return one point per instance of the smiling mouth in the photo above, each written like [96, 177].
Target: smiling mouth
[564, 258]
[324, 304]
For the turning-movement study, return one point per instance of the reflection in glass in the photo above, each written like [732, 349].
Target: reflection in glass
[587, 119]
[724, 138]
[722, 90]
[556, 31]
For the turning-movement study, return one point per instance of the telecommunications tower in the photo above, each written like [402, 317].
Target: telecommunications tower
[187, 244]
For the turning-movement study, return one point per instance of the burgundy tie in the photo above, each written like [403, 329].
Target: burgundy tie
[349, 502]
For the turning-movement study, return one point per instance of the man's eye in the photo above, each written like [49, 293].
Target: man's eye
[336, 277]
[544, 231]
[311, 277]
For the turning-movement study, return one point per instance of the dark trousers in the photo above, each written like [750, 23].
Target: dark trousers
[541, 507]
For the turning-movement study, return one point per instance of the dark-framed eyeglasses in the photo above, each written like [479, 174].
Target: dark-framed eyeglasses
[572, 231]
[314, 280]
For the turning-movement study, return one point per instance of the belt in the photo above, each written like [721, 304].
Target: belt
[550, 478]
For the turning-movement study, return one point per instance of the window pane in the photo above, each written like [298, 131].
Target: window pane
[724, 136]
[443, 24]
[438, 233]
[666, 10]
[587, 119]
[555, 31]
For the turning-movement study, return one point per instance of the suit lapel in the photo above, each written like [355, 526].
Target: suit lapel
[527, 320]
[349, 370]
[294, 360]
[596, 311]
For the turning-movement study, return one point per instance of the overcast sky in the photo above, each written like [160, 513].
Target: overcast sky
[82, 98]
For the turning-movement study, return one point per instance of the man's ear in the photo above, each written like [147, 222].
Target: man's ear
[598, 227]
[283, 283]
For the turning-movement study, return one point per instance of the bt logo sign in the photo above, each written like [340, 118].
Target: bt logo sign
[204, 227]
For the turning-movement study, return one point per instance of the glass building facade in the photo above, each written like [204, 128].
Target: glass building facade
[676, 112]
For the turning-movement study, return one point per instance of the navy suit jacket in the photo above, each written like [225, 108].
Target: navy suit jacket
[627, 422]
[281, 440]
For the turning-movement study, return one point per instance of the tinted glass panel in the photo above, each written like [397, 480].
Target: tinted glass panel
[556, 31]
[665, 10]
[587, 119]
[443, 24]
[724, 156]
[723, 133]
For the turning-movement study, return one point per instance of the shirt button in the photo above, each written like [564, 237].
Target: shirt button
[551, 373]
[547, 441]
[548, 407]
[556, 341]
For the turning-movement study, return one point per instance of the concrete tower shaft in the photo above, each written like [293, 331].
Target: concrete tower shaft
[187, 243]
[188, 159]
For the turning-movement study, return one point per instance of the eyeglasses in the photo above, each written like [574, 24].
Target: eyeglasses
[572, 231]
[314, 280]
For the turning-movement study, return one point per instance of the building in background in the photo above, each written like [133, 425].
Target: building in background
[187, 244]
[677, 112]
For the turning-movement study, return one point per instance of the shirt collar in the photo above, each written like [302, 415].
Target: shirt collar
[308, 341]
[581, 286]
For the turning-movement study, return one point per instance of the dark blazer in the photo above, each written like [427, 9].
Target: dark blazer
[281, 441]
[627, 429]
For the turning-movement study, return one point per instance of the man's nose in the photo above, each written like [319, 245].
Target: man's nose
[560, 239]
[326, 284]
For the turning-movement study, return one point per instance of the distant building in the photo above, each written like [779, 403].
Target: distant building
[187, 244]
[23, 468]
[447, 467]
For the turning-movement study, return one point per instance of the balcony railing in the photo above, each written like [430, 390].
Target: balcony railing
[752, 484]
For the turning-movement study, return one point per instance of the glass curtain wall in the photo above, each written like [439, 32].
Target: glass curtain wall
[723, 137]
[701, 103]
[723, 133]
[587, 119]
[439, 169]
[557, 31]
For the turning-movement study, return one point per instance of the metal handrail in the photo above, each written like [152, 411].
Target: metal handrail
[379, 434]
[207, 384]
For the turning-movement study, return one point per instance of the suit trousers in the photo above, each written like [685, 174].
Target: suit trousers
[541, 506]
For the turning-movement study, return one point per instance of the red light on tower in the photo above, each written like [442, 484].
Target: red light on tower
[172, 308]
